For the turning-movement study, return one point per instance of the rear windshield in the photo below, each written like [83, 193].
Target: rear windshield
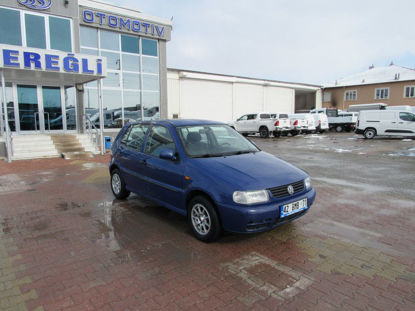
[265, 116]
[283, 116]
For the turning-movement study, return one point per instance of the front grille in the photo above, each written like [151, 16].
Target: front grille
[282, 191]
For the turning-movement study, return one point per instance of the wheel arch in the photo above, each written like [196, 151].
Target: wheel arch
[197, 192]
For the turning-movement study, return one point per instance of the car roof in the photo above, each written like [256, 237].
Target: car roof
[181, 122]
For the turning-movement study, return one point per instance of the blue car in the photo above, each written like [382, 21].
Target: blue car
[210, 173]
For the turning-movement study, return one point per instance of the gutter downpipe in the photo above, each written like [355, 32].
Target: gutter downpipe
[6, 119]
[101, 116]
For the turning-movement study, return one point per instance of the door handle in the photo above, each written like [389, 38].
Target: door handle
[393, 122]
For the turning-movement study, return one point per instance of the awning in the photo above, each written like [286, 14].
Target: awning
[37, 66]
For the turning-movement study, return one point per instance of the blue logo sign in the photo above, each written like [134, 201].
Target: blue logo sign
[36, 4]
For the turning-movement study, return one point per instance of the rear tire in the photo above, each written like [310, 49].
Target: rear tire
[339, 128]
[263, 132]
[369, 133]
[118, 185]
[203, 219]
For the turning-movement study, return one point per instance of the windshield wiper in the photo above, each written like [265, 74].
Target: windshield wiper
[238, 152]
[207, 155]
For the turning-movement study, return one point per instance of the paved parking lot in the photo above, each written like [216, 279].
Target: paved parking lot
[65, 244]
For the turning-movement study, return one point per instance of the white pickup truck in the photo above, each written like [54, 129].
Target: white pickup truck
[337, 119]
[263, 123]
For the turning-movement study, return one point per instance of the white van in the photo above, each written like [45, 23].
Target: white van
[386, 123]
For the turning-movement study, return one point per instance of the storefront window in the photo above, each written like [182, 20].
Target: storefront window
[151, 82]
[151, 103]
[89, 37]
[150, 65]
[132, 106]
[130, 44]
[131, 81]
[60, 34]
[109, 40]
[10, 31]
[149, 47]
[10, 106]
[130, 62]
[112, 80]
[35, 31]
[70, 107]
[112, 108]
[113, 60]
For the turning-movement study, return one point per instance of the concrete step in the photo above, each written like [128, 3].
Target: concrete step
[34, 155]
[77, 155]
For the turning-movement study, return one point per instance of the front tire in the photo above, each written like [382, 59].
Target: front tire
[118, 185]
[369, 133]
[339, 128]
[263, 132]
[203, 219]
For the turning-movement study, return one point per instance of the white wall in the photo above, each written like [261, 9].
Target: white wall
[225, 98]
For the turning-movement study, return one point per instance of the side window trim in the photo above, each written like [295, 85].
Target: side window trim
[148, 136]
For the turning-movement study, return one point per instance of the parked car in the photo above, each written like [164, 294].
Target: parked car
[385, 123]
[309, 120]
[282, 124]
[208, 172]
[298, 124]
[345, 121]
[321, 121]
[253, 123]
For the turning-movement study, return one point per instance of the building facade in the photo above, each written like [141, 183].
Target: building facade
[57, 56]
[392, 85]
[224, 98]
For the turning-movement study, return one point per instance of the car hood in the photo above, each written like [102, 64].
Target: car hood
[252, 171]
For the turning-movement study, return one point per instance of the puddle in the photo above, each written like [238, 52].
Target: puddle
[66, 206]
[404, 153]
[93, 165]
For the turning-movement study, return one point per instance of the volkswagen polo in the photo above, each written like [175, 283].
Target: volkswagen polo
[209, 173]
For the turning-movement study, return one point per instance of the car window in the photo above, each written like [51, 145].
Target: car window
[283, 116]
[265, 116]
[243, 118]
[406, 116]
[252, 116]
[135, 136]
[159, 138]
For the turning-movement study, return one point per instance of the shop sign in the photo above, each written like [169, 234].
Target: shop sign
[123, 23]
[36, 4]
[42, 60]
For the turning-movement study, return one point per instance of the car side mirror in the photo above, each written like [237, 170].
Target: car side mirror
[168, 154]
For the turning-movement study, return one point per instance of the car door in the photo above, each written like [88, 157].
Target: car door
[131, 158]
[240, 124]
[252, 123]
[406, 123]
[164, 177]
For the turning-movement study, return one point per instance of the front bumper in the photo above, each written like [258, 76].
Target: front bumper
[264, 217]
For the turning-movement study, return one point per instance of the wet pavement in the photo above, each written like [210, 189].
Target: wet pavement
[66, 244]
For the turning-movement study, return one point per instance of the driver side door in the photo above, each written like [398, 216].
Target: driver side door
[240, 124]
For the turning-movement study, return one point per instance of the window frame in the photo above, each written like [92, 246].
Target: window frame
[128, 133]
[148, 136]
[409, 87]
[380, 89]
[350, 93]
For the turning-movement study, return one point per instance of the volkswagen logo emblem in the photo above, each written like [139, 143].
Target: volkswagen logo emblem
[290, 189]
[36, 4]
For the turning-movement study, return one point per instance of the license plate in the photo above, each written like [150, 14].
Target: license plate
[294, 207]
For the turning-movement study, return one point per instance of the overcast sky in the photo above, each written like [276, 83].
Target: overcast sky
[309, 41]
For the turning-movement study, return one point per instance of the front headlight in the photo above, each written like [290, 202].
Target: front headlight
[250, 197]
[307, 183]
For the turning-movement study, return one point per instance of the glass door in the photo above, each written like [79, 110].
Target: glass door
[52, 108]
[28, 108]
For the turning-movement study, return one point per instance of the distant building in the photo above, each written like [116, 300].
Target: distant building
[392, 85]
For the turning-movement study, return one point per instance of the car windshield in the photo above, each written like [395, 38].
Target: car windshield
[203, 141]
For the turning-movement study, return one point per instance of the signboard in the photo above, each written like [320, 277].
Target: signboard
[51, 61]
[36, 4]
[125, 24]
